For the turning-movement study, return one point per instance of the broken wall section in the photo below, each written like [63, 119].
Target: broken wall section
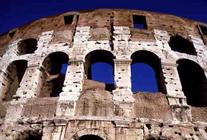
[99, 30]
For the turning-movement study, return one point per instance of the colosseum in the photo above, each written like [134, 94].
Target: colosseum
[41, 101]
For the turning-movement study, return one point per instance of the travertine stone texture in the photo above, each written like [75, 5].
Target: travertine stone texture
[28, 110]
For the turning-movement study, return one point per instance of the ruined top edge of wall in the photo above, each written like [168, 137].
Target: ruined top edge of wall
[166, 17]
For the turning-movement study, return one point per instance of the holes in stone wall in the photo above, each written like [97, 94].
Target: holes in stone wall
[90, 137]
[12, 33]
[149, 126]
[55, 67]
[182, 45]
[68, 19]
[139, 22]
[193, 82]
[146, 72]
[15, 73]
[99, 66]
[27, 46]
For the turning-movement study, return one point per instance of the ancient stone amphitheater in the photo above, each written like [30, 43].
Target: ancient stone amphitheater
[40, 102]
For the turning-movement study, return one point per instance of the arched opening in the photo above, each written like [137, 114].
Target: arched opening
[194, 83]
[33, 136]
[99, 66]
[55, 67]
[90, 137]
[29, 135]
[180, 44]
[15, 72]
[27, 46]
[146, 73]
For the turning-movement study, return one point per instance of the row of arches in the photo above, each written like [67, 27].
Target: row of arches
[53, 75]
[146, 74]
[84, 137]
[176, 43]
[37, 136]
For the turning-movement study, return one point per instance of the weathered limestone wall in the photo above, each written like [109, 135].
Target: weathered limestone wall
[85, 107]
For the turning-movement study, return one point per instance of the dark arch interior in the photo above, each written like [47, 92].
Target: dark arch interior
[29, 135]
[27, 46]
[193, 82]
[34, 136]
[99, 66]
[56, 64]
[15, 72]
[90, 137]
[180, 44]
[149, 67]
[21, 66]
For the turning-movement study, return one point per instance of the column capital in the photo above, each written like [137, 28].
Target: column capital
[33, 65]
[122, 60]
[177, 96]
[169, 64]
[75, 60]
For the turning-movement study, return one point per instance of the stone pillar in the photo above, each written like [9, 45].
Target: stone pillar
[72, 88]
[122, 95]
[29, 87]
[122, 72]
[5, 82]
[176, 98]
[53, 132]
[31, 83]
[43, 41]
[73, 80]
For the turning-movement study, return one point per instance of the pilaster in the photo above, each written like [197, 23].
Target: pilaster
[72, 88]
[176, 98]
[122, 95]
[122, 71]
[73, 81]
[31, 83]
[5, 82]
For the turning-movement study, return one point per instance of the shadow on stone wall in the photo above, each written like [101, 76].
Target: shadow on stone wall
[199, 113]
[41, 107]
[152, 105]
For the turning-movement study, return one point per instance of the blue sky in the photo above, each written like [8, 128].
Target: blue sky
[16, 13]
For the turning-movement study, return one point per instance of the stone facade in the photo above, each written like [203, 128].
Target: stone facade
[83, 108]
